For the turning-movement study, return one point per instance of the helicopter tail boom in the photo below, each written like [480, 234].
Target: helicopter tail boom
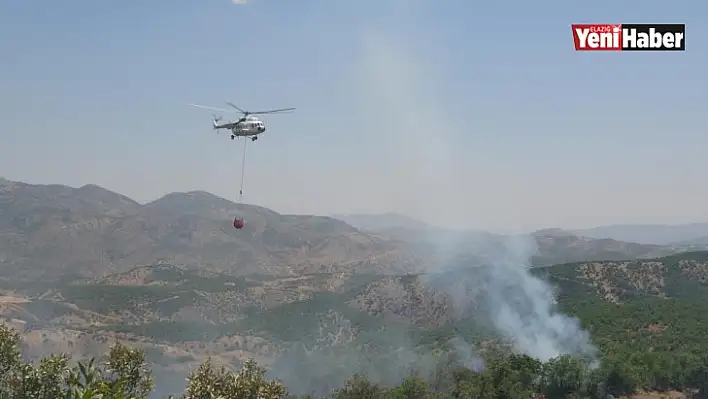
[215, 121]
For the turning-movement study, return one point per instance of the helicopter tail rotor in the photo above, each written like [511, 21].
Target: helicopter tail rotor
[215, 122]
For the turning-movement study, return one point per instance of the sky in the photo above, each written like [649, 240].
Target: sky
[460, 113]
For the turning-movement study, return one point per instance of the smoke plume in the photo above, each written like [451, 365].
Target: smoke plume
[495, 291]
[520, 306]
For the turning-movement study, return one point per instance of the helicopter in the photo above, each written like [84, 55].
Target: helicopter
[246, 126]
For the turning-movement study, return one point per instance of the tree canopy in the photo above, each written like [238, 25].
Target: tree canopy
[125, 375]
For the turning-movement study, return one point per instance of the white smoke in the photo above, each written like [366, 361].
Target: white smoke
[523, 307]
[407, 129]
[394, 84]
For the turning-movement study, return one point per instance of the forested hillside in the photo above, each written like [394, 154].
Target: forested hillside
[647, 318]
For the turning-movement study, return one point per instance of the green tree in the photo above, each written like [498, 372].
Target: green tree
[359, 387]
[128, 373]
[248, 383]
[564, 377]
[10, 359]
[125, 375]
[410, 388]
[621, 379]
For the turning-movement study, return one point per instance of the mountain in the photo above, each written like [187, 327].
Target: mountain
[682, 276]
[557, 246]
[651, 233]
[382, 221]
[698, 242]
[552, 245]
[55, 231]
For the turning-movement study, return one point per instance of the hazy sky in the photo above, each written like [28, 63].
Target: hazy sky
[465, 113]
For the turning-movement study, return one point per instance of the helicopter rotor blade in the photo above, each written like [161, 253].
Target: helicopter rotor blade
[242, 111]
[211, 108]
[273, 111]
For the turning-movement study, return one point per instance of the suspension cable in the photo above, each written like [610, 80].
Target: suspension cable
[243, 170]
